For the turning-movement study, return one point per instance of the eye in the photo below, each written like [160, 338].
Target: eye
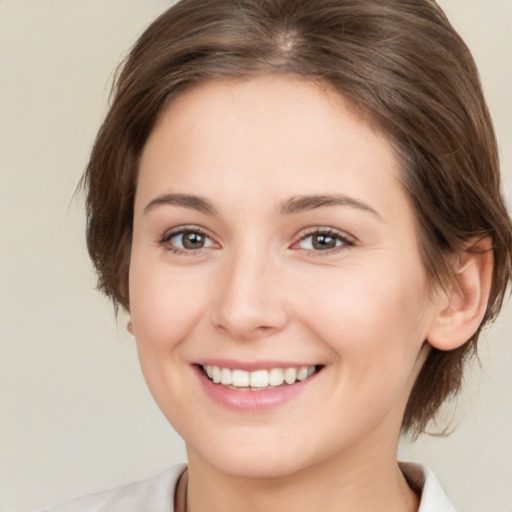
[324, 240]
[186, 240]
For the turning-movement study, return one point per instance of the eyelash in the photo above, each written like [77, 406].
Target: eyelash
[346, 240]
[184, 230]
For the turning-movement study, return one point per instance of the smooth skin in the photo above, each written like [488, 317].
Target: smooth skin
[243, 270]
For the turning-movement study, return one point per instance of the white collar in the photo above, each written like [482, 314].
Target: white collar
[433, 497]
[156, 494]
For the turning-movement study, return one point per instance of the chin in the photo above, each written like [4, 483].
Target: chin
[263, 459]
[260, 467]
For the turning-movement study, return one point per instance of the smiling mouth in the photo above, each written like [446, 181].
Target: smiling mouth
[259, 380]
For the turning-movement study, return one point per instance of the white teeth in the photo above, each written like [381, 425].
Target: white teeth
[275, 377]
[225, 377]
[216, 374]
[259, 379]
[240, 378]
[302, 374]
[290, 375]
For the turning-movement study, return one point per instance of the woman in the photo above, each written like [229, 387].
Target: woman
[299, 205]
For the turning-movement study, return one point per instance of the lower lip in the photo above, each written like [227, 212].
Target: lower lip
[252, 401]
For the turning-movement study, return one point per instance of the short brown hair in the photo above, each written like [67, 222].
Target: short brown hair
[401, 65]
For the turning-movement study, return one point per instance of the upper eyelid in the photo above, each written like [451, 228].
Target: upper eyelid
[185, 229]
[328, 230]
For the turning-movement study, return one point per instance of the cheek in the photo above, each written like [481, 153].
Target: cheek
[164, 305]
[375, 331]
[165, 308]
[370, 320]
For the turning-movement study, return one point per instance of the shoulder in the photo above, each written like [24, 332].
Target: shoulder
[155, 494]
[433, 497]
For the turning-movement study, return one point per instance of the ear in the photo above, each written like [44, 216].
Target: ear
[129, 326]
[462, 305]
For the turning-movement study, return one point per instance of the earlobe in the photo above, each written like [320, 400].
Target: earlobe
[462, 310]
[129, 327]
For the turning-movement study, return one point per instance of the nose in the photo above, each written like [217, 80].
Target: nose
[249, 302]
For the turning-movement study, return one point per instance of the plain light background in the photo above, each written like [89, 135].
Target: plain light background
[75, 414]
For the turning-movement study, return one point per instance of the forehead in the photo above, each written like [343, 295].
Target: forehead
[258, 142]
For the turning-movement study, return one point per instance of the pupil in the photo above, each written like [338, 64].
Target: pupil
[193, 240]
[324, 242]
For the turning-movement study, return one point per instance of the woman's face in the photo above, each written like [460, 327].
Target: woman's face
[272, 239]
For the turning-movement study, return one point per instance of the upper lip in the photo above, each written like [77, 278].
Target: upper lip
[251, 366]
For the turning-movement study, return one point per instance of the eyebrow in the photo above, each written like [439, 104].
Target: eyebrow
[292, 206]
[304, 203]
[190, 201]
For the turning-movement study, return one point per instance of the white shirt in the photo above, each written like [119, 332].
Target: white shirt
[156, 494]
